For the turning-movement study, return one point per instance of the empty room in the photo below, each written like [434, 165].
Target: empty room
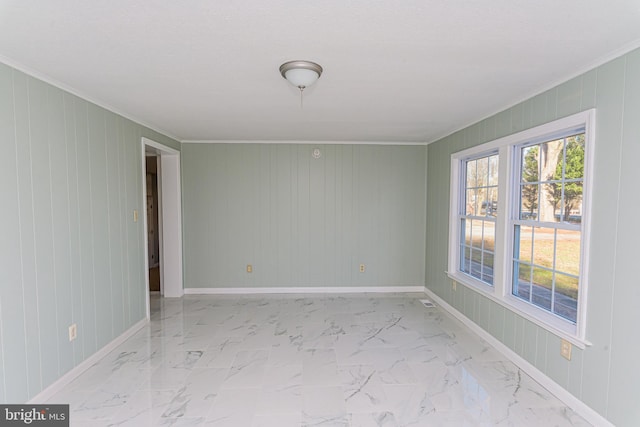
[338, 213]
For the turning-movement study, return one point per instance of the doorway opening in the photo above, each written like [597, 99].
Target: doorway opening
[161, 201]
[153, 220]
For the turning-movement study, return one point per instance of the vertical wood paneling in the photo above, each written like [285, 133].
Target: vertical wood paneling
[303, 221]
[613, 90]
[100, 223]
[539, 109]
[27, 234]
[61, 254]
[85, 231]
[12, 319]
[122, 217]
[484, 312]
[575, 372]
[134, 230]
[509, 338]
[622, 401]
[317, 225]
[588, 92]
[552, 105]
[503, 124]
[73, 233]
[113, 225]
[557, 367]
[497, 323]
[609, 98]
[530, 342]
[348, 243]
[43, 228]
[517, 118]
[569, 97]
[520, 335]
[541, 350]
[70, 178]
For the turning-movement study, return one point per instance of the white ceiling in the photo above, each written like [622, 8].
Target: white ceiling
[394, 71]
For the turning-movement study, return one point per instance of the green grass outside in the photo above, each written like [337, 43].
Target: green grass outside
[567, 260]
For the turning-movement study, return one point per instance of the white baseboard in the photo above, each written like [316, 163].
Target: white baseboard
[557, 390]
[50, 391]
[304, 290]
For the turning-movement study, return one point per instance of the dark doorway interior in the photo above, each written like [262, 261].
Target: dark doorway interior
[153, 225]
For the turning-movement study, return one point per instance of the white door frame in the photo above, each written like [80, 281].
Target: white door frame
[170, 210]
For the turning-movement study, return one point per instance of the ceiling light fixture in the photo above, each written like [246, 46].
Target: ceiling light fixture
[301, 74]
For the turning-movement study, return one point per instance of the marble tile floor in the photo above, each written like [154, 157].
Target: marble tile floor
[307, 360]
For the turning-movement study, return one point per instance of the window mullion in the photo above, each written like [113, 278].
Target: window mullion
[502, 244]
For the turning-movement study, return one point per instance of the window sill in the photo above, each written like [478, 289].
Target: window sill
[522, 309]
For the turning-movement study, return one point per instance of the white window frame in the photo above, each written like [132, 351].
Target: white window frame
[460, 207]
[507, 148]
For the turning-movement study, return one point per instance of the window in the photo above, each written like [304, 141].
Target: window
[478, 217]
[546, 230]
[518, 230]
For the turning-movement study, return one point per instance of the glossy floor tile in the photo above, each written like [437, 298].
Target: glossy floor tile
[307, 360]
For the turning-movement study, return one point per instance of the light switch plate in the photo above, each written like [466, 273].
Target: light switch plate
[565, 349]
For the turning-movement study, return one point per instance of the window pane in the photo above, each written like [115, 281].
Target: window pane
[529, 201]
[492, 202]
[529, 164]
[568, 251]
[487, 270]
[481, 195]
[483, 171]
[521, 279]
[471, 202]
[471, 174]
[476, 233]
[572, 208]
[550, 202]
[551, 190]
[493, 170]
[541, 288]
[467, 231]
[480, 200]
[574, 157]
[543, 246]
[466, 261]
[475, 264]
[489, 236]
[566, 297]
[522, 243]
[550, 159]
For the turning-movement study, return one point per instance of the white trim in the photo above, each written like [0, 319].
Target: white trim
[74, 373]
[145, 231]
[269, 141]
[304, 290]
[522, 309]
[507, 147]
[556, 389]
[58, 84]
[171, 214]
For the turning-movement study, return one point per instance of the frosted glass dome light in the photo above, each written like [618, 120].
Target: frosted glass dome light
[301, 74]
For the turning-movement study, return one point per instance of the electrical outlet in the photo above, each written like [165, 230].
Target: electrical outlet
[73, 332]
[249, 268]
[565, 349]
[135, 215]
[453, 285]
[362, 268]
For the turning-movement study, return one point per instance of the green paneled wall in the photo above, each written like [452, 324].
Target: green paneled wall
[603, 375]
[70, 178]
[302, 221]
